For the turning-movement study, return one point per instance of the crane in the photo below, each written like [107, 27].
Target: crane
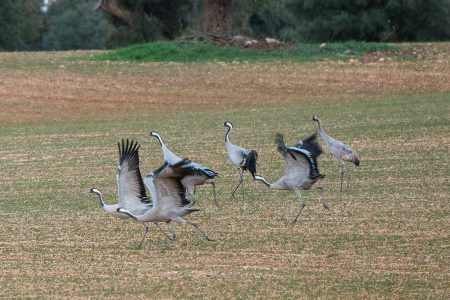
[301, 168]
[339, 151]
[200, 176]
[242, 159]
[168, 195]
[132, 193]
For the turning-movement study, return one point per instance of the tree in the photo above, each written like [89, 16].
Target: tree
[372, 20]
[419, 20]
[20, 24]
[272, 19]
[146, 20]
[228, 17]
[216, 17]
[324, 20]
[75, 25]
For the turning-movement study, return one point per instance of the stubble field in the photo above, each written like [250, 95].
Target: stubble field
[387, 235]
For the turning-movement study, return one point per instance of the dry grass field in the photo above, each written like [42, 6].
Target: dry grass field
[386, 236]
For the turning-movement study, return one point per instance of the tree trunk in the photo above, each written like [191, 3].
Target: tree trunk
[111, 7]
[216, 17]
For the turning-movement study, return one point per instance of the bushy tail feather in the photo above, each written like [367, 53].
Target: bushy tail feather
[250, 163]
[279, 139]
[190, 210]
[311, 145]
[317, 175]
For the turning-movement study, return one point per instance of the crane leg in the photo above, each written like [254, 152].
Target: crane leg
[191, 192]
[347, 176]
[200, 230]
[169, 225]
[214, 192]
[242, 187]
[145, 234]
[342, 172]
[322, 193]
[165, 234]
[168, 240]
[241, 179]
[166, 245]
[302, 205]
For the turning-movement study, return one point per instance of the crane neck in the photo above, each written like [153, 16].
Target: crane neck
[159, 140]
[100, 198]
[227, 135]
[263, 180]
[319, 123]
[168, 155]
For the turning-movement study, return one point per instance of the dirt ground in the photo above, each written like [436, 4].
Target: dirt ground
[52, 91]
[386, 236]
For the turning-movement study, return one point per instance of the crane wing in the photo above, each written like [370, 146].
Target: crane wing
[203, 170]
[340, 150]
[344, 152]
[132, 193]
[300, 162]
[166, 187]
[311, 145]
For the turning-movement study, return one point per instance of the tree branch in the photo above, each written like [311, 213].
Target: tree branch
[113, 8]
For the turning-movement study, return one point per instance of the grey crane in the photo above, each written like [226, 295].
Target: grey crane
[168, 195]
[242, 159]
[132, 194]
[200, 175]
[301, 168]
[338, 150]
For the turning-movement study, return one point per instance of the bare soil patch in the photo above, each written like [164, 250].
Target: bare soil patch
[53, 88]
[386, 236]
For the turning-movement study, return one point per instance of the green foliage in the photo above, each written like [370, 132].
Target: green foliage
[419, 20]
[273, 20]
[202, 52]
[75, 25]
[367, 20]
[151, 20]
[20, 24]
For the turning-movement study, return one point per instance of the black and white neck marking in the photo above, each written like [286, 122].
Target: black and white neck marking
[263, 180]
[316, 118]
[155, 134]
[100, 197]
[229, 126]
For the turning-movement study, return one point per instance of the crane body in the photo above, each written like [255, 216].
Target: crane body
[301, 171]
[340, 151]
[200, 175]
[242, 159]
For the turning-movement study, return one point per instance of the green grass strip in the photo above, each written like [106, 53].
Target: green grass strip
[165, 51]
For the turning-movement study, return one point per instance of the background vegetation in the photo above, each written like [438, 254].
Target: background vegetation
[201, 52]
[78, 25]
[385, 237]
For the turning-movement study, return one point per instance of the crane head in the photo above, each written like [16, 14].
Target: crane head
[315, 118]
[153, 133]
[228, 124]
[128, 213]
[156, 135]
[95, 191]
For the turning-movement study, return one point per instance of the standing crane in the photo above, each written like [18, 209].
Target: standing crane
[338, 150]
[301, 168]
[132, 194]
[168, 195]
[242, 159]
[200, 175]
